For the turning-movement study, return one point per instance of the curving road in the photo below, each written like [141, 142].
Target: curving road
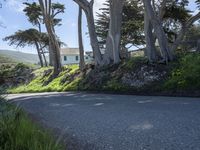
[117, 122]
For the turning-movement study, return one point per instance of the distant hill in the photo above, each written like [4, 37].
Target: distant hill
[5, 59]
[8, 56]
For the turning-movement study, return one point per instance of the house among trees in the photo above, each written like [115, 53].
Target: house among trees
[72, 56]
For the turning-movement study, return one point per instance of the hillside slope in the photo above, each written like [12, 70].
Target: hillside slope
[134, 76]
[16, 56]
[5, 59]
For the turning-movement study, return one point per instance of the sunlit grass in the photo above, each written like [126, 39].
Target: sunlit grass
[37, 84]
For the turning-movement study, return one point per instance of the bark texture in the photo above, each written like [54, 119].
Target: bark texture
[46, 11]
[166, 52]
[114, 34]
[150, 50]
[184, 30]
[88, 9]
[39, 54]
[80, 40]
[198, 45]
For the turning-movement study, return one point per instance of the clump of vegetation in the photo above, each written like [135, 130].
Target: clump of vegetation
[125, 77]
[134, 62]
[186, 76]
[14, 74]
[17, 131]
[114, 85]
[43, 81]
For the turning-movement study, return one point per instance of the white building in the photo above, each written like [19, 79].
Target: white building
[71, 56]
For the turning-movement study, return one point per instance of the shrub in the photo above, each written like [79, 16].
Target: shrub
[186, 76]
[135, 62]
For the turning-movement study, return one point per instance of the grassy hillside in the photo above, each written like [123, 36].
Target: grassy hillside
[134, 76]
[15, 56]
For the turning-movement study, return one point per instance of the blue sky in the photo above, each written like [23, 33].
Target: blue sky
[12, 16]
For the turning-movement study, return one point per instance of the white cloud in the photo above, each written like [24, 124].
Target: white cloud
[16, 5]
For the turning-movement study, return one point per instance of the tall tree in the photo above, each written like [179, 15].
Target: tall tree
[114, 34]
[30, 37]
[46, 8]
[164, 16]
[34, 14]
[80, 40]
[166, 53]
[132, 26]
[87, 7]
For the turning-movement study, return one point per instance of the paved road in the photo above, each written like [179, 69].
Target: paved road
[118, 122]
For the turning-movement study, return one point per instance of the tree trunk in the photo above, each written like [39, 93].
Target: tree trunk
[39, 54]
[198, 45]
[44, 57]
[88, 9]
[80, 40]
[93, 37]
[46, 9]
[150, 50]
[184, 30]
[50, 54]
[166, 53]
[114, 33]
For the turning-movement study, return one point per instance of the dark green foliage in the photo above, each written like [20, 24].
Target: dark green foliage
[191, 38]
[186, 76]
[34, 14]
[176, 14]
[132, 63]
[198, 3]
[132, 24]
[13, 74]
[27, 38]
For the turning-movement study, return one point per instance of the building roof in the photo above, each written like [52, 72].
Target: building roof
[69, 51]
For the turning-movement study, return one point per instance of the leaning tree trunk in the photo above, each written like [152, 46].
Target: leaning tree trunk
[44, 57]
[150, 50]
[39, 54]
[166, 53]
[46, 11]
[80, 40]
[114, 33]
[43, 54]
[88, 9]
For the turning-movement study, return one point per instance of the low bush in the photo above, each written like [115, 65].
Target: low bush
[186, 76]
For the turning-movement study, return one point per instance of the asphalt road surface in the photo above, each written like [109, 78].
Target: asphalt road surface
[117, 122]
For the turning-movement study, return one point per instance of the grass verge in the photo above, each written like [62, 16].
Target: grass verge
[18, 132]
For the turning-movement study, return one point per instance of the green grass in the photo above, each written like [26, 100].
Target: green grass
[18, 132]
[38, 84]
[183, 74]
